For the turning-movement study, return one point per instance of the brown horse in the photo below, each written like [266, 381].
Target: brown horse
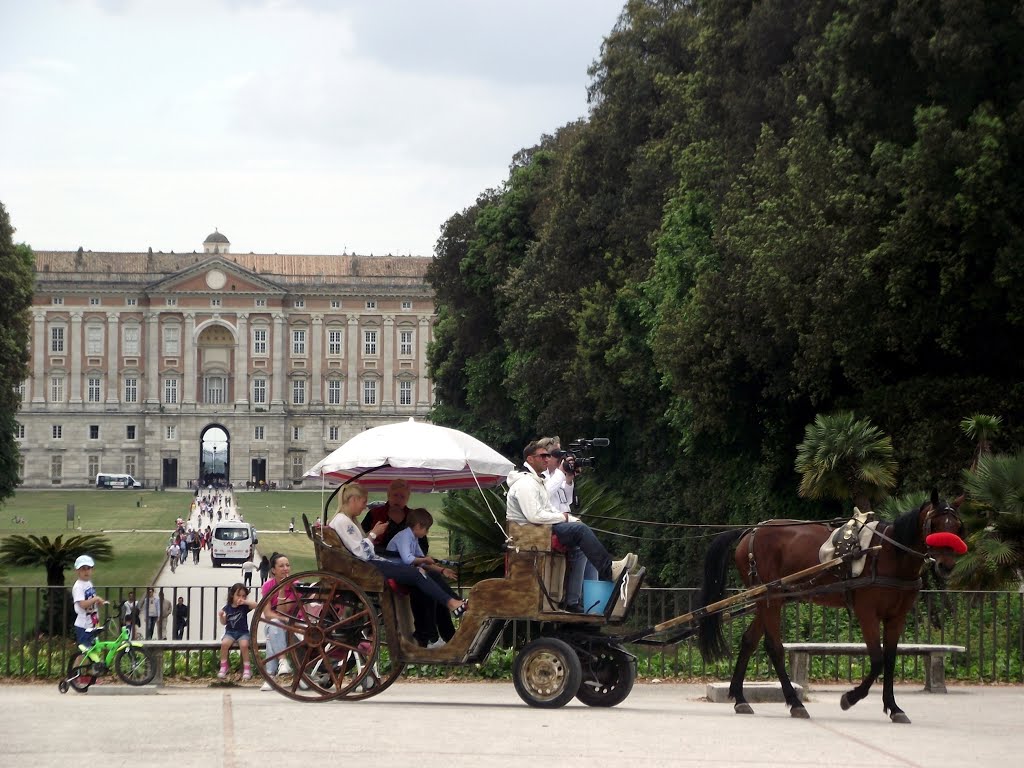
[882, 597]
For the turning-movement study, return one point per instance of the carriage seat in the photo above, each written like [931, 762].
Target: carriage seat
[529, 541]
[331, 539]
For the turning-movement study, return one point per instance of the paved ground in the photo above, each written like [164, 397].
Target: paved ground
[481, 725]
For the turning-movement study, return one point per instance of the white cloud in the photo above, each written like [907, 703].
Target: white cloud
[294, 126]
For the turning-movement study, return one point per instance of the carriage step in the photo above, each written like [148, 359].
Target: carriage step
[755, 693]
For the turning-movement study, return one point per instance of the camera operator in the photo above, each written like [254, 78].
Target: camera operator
[528, 501]
[559, 480]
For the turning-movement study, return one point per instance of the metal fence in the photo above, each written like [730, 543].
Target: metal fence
[990, 625]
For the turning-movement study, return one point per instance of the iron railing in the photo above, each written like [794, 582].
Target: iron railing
[990, 625]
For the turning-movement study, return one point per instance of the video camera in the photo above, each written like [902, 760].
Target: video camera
[579, 454]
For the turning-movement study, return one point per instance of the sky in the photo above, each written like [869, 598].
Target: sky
[292, 126]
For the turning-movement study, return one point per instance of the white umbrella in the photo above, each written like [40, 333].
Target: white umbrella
[429, 457]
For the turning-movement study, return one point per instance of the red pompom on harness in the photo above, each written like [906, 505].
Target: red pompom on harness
[946, 539]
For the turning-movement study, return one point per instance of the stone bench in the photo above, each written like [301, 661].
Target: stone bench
[159, 647]
[934, 670]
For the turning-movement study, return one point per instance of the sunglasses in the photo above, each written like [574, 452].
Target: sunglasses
[543, 455]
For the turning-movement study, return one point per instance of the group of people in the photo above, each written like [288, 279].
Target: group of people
[393, 538]
[152, 614]
[185, 540]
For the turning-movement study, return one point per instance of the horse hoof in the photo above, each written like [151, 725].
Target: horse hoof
[743, 709]
[845, 702]
[900, 717]
[800, 713]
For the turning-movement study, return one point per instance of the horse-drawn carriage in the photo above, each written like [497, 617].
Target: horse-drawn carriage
[351, 631]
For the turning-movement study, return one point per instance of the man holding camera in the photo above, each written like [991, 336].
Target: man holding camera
[529, 501]
[559, 480]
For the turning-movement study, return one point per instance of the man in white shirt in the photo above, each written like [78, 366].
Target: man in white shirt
[528, 501]
[559, 480]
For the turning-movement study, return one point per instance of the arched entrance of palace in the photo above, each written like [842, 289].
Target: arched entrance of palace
[215, 456]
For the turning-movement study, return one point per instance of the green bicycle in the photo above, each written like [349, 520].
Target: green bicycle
[132, 663]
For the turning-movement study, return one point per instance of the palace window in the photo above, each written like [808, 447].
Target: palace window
[405, 393]
[129, 464]
[172, 341]
[132, 336]
[259, 342]
[129, 432]
[214, 390]
[332, 434]
[334, 341]
[370, 343]
[371, 304]
[406, 305]
[259, 391]
[57, 432]
[57, 340]
[405, 343]
[94, 340]
[94, 467]
[370, 392]
[56, 469]
[299, 392]
[171, 432]
[257, 433]
[298, 343]
[170, 391]
[93, 390]
[56, 389]
[94, 431]
[19, 431]
[334, 392]
[131, 390]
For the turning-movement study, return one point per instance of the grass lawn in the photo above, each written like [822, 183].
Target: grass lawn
[138, 524]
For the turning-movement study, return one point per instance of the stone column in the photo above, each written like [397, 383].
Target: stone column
[423, 397]
[353, 351]
[278, 384]
[387, 354]
[39, 342]
[188, 353]
[152, 374]
[75, 341]
[316, 384]
[242, 362]
[113, 361]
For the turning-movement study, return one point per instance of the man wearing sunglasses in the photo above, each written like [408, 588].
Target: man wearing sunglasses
[528, 502]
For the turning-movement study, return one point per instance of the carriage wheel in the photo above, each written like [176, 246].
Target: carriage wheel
[547, 673]
[333, 636]
[382, 673]
[608, 677]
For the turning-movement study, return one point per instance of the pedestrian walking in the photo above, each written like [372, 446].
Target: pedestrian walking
[165, 612]
[264, 569]
[180, 619]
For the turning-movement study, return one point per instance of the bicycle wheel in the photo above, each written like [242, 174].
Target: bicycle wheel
[77, 677]
[135, 666]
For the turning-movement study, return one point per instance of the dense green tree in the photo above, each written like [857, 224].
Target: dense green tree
[17, 279]
[773, 210]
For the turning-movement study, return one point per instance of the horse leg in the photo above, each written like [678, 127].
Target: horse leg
[893, 630]
[869, 627]
[748, 643]
[773, 647]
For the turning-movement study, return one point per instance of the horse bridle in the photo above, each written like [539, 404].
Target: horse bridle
[947, 510]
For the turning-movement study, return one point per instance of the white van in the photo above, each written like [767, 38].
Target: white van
[106, 480]
[232, 542]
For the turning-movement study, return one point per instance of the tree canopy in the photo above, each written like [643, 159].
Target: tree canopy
[17, 281]
[773, 210]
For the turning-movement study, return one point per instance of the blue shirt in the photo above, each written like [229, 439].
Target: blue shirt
[406, 545]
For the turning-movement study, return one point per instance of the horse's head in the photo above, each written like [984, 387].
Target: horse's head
[942, 530]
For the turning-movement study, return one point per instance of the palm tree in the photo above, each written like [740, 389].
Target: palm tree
[981, 428]
[56, 557]
[995, 555]
[842, 457]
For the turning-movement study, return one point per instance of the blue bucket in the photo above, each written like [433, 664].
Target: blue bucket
[596, 594]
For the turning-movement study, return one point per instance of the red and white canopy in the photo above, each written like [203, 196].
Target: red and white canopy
[428, 457]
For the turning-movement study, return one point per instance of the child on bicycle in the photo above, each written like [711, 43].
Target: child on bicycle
[87, 602]
[235, 618]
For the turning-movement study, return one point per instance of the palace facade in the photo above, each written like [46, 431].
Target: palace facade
[138, 358]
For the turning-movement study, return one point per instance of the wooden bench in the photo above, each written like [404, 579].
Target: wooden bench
[159, 647]
[934, 670]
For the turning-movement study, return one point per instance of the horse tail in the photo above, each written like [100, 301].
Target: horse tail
[710, 638]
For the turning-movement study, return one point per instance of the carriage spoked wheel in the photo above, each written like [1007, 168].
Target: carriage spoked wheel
[608, 676]
[384, 670]
[332, 635]
[547, 673]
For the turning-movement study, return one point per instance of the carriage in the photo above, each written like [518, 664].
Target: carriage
[350, 635]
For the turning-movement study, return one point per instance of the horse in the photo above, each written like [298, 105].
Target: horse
[930, 535]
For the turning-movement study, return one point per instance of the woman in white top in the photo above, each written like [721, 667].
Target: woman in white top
[351, 505]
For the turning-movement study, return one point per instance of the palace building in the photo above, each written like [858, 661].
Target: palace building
[139, 359]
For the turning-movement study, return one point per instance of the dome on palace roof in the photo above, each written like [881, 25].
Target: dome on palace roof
[216, 237]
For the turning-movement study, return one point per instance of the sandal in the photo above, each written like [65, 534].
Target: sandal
[461, 610]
